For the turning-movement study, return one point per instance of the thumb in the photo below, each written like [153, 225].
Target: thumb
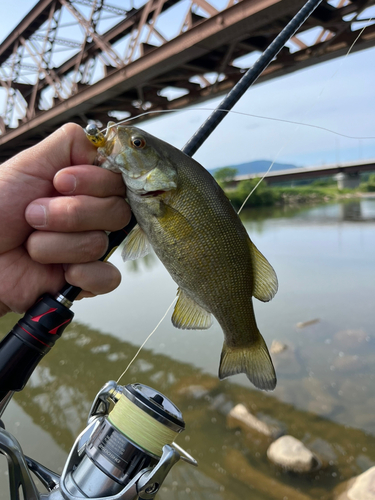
[29, 176]
[67, 146]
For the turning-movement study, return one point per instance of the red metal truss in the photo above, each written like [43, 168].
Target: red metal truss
[85, 60]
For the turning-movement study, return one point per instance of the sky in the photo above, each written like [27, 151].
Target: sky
[338, 95]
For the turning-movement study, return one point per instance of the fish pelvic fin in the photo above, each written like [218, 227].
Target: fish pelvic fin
[265, 279]
[136, 245]
[188, 315]
[253, 360]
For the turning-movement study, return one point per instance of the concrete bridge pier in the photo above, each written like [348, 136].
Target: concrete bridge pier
[348, 181]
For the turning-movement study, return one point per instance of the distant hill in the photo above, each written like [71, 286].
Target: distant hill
[253, 167]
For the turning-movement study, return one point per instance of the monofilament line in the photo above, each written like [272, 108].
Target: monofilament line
[299, 124]
[153, 331]
[242, 113]
[257, 184]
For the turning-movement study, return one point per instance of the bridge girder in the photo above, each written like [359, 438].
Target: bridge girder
[310, 173]
[130, 66]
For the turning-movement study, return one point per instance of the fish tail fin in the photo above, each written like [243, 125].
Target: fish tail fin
[254, 360]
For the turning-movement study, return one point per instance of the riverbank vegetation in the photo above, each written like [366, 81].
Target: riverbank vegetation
[315, 191]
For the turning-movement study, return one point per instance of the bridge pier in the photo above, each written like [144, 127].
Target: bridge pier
[348, 181]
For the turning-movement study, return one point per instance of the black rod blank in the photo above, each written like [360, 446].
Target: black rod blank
[70, 292]
[249, 78]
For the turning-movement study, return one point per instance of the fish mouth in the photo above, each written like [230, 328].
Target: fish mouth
[151, 194]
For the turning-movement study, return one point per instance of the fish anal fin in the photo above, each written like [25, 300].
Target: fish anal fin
[188, 315]
[265, 279]
[253, 360]
[136, 245]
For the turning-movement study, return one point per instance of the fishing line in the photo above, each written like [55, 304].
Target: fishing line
[299, 124]
[153, 331]
[307, 111]
[262, 117]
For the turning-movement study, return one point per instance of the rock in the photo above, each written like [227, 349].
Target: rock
[285, 360]
[360, 488]
[347, 363]
[303, 324]
[194, 391]
[324, 451]
[364, 462]
[203, 382]
[277, 347]
[350, 339]
[239, 416]
[353, 391]
[322, 402]
[260, 484]
[321, 407]
[222, 404]
[292, 455]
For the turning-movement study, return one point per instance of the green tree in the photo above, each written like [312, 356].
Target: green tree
[225, 175]
[262, 196]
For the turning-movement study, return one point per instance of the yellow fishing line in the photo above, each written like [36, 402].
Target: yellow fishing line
[139, 350]
[140, 427]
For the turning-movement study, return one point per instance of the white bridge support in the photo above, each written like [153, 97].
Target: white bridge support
[348, 181]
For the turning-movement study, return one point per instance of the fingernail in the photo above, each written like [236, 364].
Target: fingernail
[67, 183]
[36, 215]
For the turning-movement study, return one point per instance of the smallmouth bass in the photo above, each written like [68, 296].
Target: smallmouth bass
[185, 216]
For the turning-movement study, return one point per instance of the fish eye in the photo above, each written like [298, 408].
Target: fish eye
[138, 142]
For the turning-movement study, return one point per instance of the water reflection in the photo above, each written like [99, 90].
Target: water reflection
[232, 461]
[324, 257]
[351, 211]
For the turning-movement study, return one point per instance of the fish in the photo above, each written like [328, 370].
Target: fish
[185, 216]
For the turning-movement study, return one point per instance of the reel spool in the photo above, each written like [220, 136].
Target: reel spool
[127, 440]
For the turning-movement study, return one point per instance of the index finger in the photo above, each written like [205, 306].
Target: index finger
[89, 180]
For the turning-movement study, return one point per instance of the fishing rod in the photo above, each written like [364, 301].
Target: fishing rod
[113, 458]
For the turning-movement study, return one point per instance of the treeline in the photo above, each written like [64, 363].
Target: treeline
[264, 195]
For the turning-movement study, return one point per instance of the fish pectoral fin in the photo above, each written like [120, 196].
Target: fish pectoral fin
[177, 226]
[265, 279]
[188, 315]
[136, 245]
[253, 360]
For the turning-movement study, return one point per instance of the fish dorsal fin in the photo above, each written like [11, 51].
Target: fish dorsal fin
[188, 315]
[265, 279]
[136, 245]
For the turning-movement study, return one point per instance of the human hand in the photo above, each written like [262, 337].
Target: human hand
[55, 207]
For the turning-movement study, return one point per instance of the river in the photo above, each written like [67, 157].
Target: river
[323, 314]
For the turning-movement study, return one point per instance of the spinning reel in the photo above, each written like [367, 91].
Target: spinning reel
[125, 452]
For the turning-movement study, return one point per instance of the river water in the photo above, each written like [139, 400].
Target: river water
[323, 314]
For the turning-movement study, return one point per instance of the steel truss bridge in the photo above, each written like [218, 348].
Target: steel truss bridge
[83, 60]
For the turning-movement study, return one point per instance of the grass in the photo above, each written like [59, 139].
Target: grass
[321, 190]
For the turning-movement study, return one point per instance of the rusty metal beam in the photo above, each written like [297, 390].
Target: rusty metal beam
[136, 78]
[35, 18]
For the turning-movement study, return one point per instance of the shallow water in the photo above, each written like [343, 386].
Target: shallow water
[324, 258]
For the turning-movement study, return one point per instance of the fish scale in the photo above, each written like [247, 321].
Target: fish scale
[185, 216]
